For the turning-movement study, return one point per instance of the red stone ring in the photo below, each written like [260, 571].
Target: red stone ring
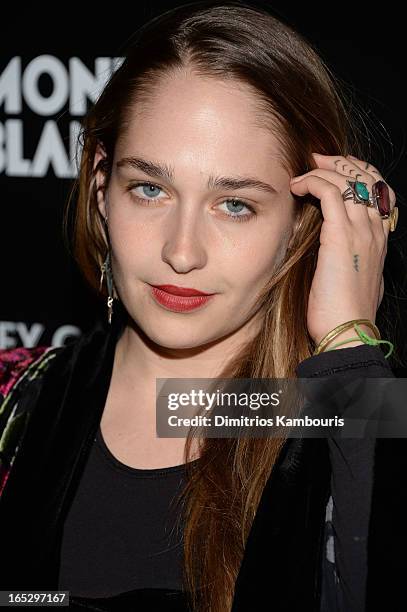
[381, 201]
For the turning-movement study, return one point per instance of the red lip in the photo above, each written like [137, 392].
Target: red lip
[183, 291]
[180, 303]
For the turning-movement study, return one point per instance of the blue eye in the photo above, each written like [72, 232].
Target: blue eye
[233, 213]
[151, 190]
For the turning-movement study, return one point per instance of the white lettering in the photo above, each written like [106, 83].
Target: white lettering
[50, 151]
[10, 87]
[73, 87]
[11, 333]
[54, 68]
[64, 332]
[18, 333]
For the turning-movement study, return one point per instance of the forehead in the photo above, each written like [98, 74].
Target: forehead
[186, 112]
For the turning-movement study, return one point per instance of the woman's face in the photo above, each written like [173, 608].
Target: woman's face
[188, 225]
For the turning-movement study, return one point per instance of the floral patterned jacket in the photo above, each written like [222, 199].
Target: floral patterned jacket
[18, 368]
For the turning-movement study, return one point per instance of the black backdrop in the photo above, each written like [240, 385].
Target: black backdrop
[49, 64]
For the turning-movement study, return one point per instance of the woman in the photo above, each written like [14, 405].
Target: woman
[186, 181]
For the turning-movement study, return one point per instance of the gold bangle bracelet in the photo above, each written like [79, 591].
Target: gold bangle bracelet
[340, 328]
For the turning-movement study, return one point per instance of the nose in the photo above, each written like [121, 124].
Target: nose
[184, 242]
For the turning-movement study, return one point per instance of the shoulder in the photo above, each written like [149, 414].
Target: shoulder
[18, 362]
[18, 366]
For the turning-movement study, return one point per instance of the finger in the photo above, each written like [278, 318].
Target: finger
[330, 174]
[345, 167]
[358, 169]
[352, 165]
[348, 164]
[327, 192]
[357, 213]
[366, 167]
[384, 227]
[376, 175]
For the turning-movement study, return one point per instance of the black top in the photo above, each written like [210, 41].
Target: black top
[121, 535]
[121, 531]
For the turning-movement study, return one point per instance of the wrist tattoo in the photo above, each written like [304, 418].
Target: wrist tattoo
[356, 262]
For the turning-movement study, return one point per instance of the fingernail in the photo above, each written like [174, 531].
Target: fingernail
[296, 179]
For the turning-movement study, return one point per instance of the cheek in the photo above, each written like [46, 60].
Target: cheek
[133, 240]
[255, 259]
[252, 273]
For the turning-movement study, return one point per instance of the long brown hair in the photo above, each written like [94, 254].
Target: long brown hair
[300, 95]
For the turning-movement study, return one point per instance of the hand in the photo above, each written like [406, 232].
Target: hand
[348, 280]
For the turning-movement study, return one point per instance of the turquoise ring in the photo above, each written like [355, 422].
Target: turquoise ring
[358, 192]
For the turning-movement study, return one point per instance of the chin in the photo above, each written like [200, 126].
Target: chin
[177, 336]
[176, 342]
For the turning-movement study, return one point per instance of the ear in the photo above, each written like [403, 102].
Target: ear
[100, 180]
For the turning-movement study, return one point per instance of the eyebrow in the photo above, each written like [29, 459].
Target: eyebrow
[164, 171]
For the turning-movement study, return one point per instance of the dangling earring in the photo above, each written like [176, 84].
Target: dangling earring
[106, 268]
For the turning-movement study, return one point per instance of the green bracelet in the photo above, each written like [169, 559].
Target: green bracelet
[366, 339]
